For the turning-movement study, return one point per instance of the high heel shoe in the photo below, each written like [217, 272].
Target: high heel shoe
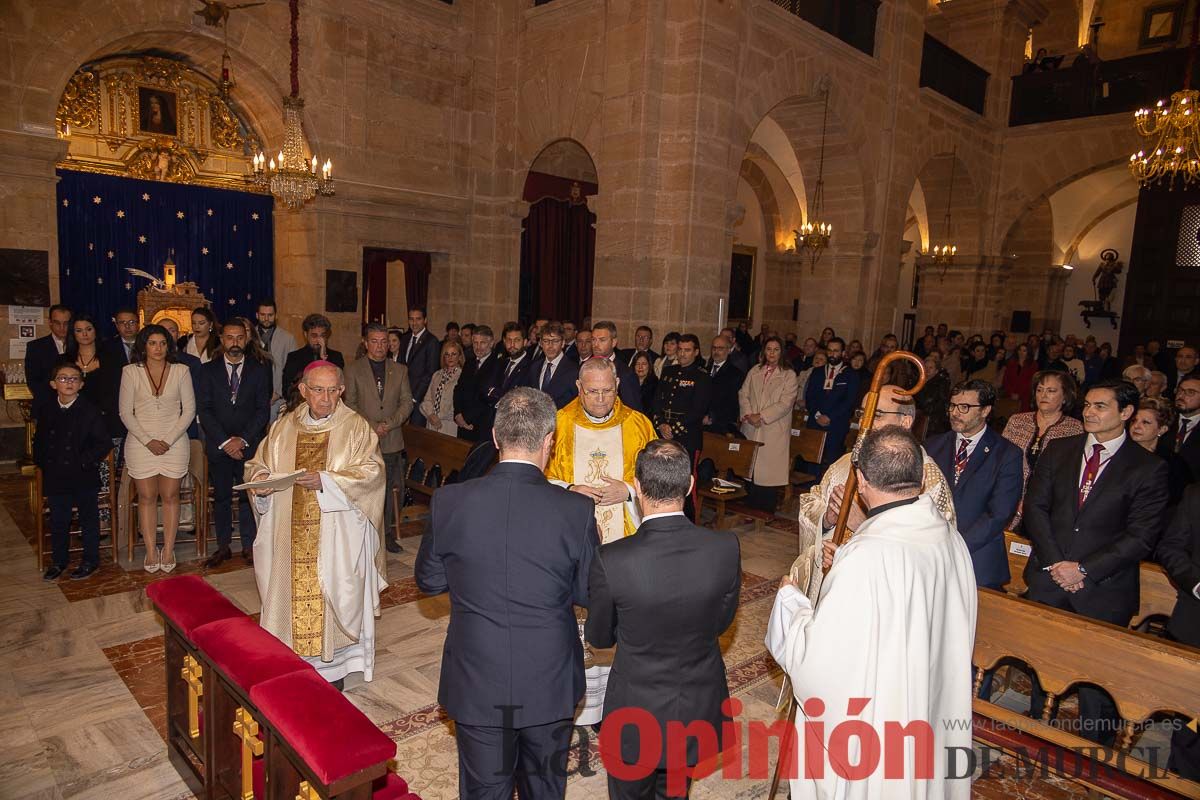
[164, 565]
[151, 567]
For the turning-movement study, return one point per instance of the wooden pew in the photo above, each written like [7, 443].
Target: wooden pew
[233, 717]
[1144, 674]
[728, 453]
[433, 449]
[1158, 595]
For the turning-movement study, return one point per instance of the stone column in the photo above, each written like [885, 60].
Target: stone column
[29, 213]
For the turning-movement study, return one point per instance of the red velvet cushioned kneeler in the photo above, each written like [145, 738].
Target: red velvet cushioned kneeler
[190, 602]
[392, 787]
[246, 652]
[333, 737]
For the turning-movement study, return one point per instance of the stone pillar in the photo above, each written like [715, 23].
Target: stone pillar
[29, 213]
[973, 27]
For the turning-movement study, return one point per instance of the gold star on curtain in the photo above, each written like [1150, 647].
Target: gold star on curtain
[142, 239]
[179, 215]
[120, 215]
[145, 195]
[204, 250]
[97, 200]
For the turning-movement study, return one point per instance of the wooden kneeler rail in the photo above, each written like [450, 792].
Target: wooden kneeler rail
[220, 665]
[1144, 675]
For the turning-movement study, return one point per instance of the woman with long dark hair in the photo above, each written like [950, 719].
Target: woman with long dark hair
[204, 339]
[157, 404]
[647, 380]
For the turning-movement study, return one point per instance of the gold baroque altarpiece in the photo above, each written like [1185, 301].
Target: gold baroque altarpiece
[155, 119]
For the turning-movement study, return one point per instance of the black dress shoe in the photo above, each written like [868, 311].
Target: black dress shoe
[393, 546]
[52, 574]
[248, 557]
[218, 558]
[82, 571]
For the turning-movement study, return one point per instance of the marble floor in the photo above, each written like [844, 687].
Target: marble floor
[82, 710]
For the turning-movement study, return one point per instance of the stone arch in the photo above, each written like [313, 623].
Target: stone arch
[59, 49]
[757, 180]
[566, 158]
[963, 200]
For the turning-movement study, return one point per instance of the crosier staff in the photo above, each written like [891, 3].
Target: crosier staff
[841, 529]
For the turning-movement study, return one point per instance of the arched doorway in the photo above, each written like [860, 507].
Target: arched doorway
[558, 237]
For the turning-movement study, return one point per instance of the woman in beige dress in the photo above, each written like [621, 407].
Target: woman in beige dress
[765, 400]
[157, 405]
[438, 405]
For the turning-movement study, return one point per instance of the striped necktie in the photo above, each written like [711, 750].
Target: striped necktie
[960, 460]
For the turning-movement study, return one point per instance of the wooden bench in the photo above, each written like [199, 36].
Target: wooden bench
[1158, 595]
[433, 449]
[1144, 675]
[249, 718]
[807, 444]
[728, 454]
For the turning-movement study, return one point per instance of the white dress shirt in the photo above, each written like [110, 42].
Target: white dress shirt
[1110, 449]
[649, 517]
[59, 344]
[552, 366]
[972, 441]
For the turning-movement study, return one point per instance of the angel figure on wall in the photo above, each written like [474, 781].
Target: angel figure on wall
[162, 165]
[1105, 278]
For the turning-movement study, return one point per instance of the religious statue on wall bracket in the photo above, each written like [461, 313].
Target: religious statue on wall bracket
[1104, 281]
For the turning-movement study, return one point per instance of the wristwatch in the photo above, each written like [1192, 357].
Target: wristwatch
[1082, 571]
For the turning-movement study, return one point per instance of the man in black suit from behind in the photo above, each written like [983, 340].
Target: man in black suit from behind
[43, 353]
[1094, 510]
[664, 596]
[514, 552]
[1179, 553]
[552, 372]
[725, 380]
[317, 330]
[421, 352]
[233, 398]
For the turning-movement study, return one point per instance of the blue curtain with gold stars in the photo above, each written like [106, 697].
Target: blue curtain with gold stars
[222, 240]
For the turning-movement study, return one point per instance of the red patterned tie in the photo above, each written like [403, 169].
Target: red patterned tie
[960, 460]
[1090, 470]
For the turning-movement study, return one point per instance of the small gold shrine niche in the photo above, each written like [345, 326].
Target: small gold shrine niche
[155, 119]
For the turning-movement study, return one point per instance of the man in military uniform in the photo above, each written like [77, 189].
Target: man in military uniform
[683, 396]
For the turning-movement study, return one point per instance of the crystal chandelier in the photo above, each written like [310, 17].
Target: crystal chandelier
[290, 176]
[1172, 133]
[813, 236]
[943, 254]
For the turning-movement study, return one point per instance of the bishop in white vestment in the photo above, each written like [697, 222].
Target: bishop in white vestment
[894, 625]
[317, 559]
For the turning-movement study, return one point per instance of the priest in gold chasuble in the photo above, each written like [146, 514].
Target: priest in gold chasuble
[318, 561]
[596, 444]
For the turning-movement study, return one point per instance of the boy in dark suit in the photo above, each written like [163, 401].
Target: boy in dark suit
[70, 443]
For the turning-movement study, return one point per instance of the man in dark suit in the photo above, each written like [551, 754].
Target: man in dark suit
[1185, 367]
[604, 345]
[1094, 510]
[1179, 553]
[831, 397]
[985, 473]
[470, 406]
[121, 345]
[725, 381]
[552, 372]
[1184, 439]
[570, 350]
[513, 368]
[41, 355]
[514, 553]
[317, 329]
[234, 401]
[421, 352]
[664, 596]
[643, 338]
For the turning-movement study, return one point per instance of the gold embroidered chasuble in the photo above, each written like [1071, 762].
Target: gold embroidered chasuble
[318, 557]
[586, 449]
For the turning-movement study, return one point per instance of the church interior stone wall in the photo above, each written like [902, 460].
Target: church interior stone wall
[433, 114]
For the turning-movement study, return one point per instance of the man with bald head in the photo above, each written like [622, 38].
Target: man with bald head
[1186, 359]
[337, 496]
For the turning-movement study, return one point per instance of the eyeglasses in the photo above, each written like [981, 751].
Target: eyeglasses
[68, 379]
[125, 323]
[551, 340]
[963, 408]
[599, 392]
[324, 390]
